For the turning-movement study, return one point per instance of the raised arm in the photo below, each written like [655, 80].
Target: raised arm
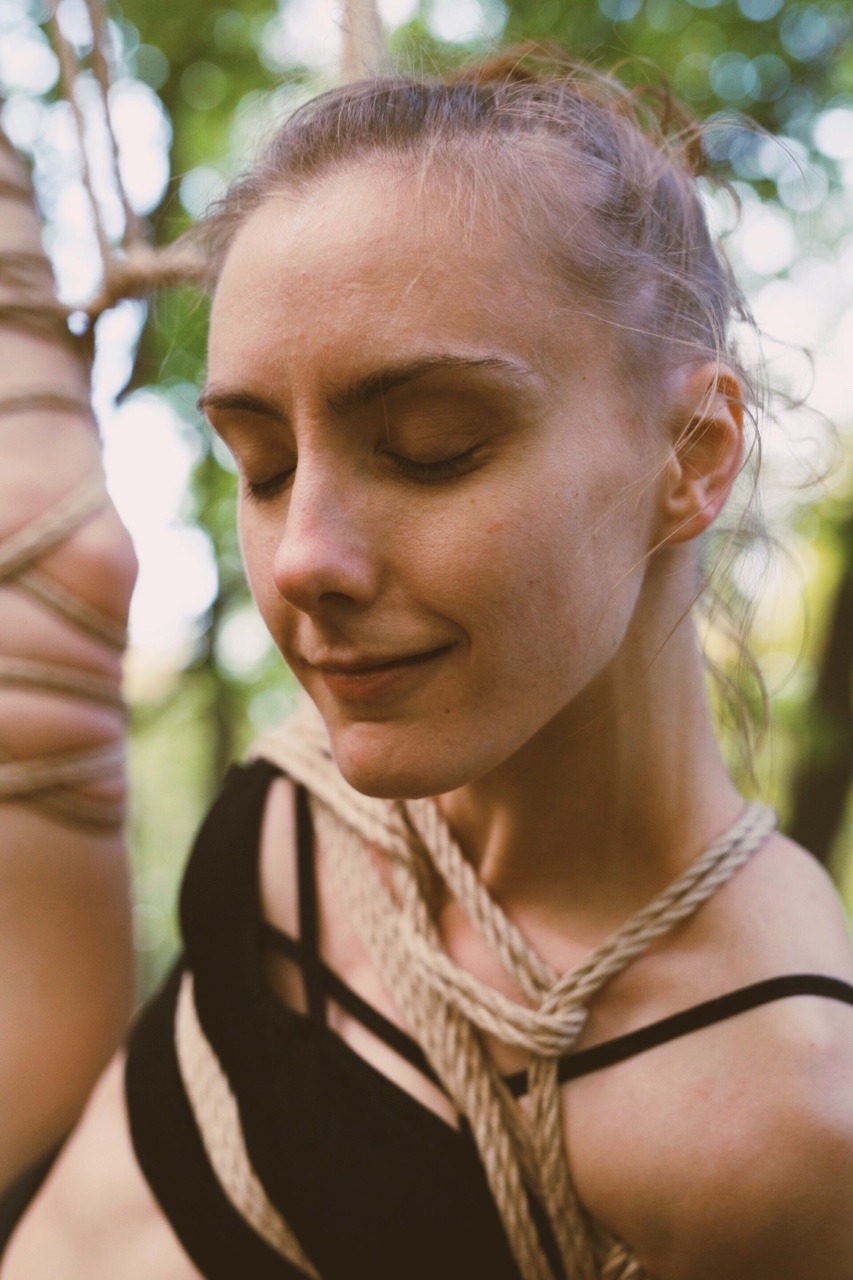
[67, 570]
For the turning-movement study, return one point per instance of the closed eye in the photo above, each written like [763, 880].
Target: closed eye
[421, 472]
[266, 490]
[433, 472]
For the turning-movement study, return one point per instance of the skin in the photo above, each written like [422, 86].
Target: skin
[561, 721]
[65, 935]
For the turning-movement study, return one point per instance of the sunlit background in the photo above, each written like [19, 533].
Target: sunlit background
[791, 244]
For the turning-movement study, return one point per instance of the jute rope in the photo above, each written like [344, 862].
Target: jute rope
[52, 784]
[449, 1011]
[131, 268]
[210, 1095]
[28, 303]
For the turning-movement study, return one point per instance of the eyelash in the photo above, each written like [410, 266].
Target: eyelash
[419, 472]
[265, 490]
[433, 472]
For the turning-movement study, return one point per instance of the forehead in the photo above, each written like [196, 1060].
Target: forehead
[368, 265]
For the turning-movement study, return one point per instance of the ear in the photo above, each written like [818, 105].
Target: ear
[705, 450]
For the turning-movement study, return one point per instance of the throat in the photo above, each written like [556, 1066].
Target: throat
[590, 854]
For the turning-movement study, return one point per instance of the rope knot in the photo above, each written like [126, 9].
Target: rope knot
[565, 1022]
[449, 1010]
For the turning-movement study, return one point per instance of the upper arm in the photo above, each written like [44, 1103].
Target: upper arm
[772, 1195]
[781, 1213]
[95, 1217]
[65, 976]
[64, 921]
[65, 938]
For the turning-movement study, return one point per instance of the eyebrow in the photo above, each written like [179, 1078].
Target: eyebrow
[372, 386]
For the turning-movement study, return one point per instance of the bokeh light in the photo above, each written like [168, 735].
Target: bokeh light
[806, 32]
[148, 457]
[760, 10]
[620, 10]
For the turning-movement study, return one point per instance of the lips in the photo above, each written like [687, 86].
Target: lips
[362, 678]
[364, 665]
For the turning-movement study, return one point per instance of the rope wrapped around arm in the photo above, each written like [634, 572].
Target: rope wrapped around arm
[60, 787]
[66, 573]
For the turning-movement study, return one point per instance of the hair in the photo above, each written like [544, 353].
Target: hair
[604, 180]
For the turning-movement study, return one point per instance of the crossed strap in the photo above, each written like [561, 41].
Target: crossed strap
[449, 1011]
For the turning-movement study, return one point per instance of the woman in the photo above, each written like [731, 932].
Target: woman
[469, 348]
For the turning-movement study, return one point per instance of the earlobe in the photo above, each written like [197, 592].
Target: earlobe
[706, 448]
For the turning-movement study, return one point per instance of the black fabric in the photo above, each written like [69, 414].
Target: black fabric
[374, 1185]
[165, 1138]
[699, 1016]
[352, 1003]
[315, 988]
[325, 982]
[583, 1061]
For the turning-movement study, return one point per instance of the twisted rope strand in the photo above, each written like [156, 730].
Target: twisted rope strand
[99, 58]
[438, 1025]
[51, 784]
[215, 1108]
[23, 673]
[448, 1010]
[69, 73]
[494, 927]
[22, 778]
[78, 612]
[36, 400]
[52, 527]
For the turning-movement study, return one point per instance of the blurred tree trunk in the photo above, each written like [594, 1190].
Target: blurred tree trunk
[822, 782]
[362, 39]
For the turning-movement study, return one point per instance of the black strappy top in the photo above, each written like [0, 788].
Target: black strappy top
[374, 1185]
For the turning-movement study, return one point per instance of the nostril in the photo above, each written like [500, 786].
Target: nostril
[314, 567]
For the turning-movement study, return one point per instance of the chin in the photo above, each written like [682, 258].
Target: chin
[393, 764]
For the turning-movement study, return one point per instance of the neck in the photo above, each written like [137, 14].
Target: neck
[609, 801]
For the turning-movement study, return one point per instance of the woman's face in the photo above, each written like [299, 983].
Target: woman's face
[443, 510]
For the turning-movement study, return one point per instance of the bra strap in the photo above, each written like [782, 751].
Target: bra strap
[315, 992]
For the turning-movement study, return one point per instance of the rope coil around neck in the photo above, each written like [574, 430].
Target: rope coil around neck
[449, 1011]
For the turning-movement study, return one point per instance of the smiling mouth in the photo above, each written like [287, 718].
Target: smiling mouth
[370, 668]
[360, 681]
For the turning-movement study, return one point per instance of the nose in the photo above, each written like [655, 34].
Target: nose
[326, 553]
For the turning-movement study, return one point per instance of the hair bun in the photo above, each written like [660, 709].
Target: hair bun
[649, 104]
[529, 62]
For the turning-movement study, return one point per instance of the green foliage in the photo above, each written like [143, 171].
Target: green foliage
[778, 65]
[223, 78]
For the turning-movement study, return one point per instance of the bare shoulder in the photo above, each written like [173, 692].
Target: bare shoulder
[772, 1197]
[95, 1218]
[799, 908]
[741, 1155]
[731, 1150]
[778, 1178]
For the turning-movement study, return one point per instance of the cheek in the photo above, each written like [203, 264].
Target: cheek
[557, 576]
[258, 550]
[512, 580]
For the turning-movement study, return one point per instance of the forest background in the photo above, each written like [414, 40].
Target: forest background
[196, 89]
